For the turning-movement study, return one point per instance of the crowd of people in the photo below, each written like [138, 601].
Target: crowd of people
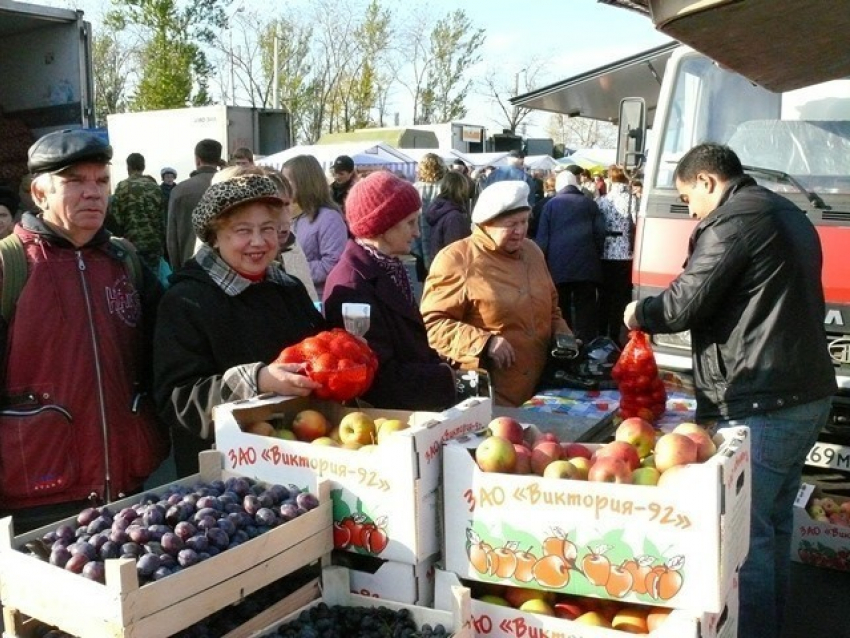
[132, 361]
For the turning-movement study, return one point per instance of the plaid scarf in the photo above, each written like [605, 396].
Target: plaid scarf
[226, 278]
[394, 268]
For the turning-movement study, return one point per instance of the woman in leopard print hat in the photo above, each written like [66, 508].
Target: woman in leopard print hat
[228, 313]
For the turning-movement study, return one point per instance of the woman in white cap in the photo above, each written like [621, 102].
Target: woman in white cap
[228, 313]
[489, 301]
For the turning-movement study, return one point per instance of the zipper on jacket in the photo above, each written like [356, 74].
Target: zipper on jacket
[107, 496]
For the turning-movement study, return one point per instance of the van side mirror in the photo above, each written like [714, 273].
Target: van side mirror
[631, 134]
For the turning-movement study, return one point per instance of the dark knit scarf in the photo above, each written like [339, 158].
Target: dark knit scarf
[394, 268]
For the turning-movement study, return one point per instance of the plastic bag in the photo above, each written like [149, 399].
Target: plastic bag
[642, 392]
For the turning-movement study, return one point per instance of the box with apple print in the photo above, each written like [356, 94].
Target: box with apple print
[389, 579]
[556, 616]
[384, 499]
[677, 545]
[821, 534]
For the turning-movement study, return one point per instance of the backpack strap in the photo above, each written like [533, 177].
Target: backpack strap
[14, 264]
[127, 253]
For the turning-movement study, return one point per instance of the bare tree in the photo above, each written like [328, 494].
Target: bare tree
[499, 87]
[111, 67]
[581, 132]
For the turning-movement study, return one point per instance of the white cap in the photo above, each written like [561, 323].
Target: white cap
[564, 179]
[499, 198]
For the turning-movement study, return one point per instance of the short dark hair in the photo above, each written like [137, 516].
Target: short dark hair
[716, 159]
[575, 169]
[208, 151]
[135, 162]
[243, 152]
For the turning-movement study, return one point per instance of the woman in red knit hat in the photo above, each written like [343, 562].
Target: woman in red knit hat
[383, 212]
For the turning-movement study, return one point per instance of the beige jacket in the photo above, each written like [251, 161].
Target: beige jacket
[475, 290]
[295, 263]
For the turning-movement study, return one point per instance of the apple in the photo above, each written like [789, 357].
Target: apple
[676, 476]
[325, 440]
[609, 469]
[357, 426]
[507, 428]
[631, 620]
[582, 465]
[523, 459]
[594, 619]
[537, 606]
[568, 609]
[494, 600]
[547, 436]
[674, 449]
[645, 476]
[561, 469]
[699, 435]
[261, 428]
[572, 450]
[388, 427]
[353, 445]
[626, 452]
[542, 454]
[648, 461]
[516, 596]
[309, 425]
[285, 434]
[496, 454]
[637, 432]
[334, 434]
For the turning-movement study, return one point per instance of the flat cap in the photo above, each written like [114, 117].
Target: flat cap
[225, 195]
[60, 149]
[498, 198]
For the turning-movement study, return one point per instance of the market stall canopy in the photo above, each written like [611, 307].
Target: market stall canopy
[487, 159]
[781, 45]
[364, 155]
[596, 94]
[395, 137]
[540, 162]
[591, 158]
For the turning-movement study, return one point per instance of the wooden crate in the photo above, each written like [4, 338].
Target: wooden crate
[336, 591]
[33, 588]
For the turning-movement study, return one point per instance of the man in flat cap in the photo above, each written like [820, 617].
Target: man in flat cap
[74, 430]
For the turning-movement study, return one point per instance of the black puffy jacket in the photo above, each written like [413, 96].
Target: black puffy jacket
[752, 297]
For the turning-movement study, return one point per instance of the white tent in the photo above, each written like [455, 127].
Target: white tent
[486, 159]
[592, 158]
[364, 155]
[540, 162]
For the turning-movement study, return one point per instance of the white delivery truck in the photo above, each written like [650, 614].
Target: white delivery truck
[167, 137]
[45, 66]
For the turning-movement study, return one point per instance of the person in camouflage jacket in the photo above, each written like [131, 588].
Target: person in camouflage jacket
[137, 210]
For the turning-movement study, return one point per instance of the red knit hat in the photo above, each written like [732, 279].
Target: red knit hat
[378, 202]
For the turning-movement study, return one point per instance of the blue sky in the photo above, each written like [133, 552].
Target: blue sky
[561, 37]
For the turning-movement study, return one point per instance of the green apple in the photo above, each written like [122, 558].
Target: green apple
[537, 606]
[648, 461]
[388, 427]
[494, 600]
[645, 476]
[325, 440]
[285, 433]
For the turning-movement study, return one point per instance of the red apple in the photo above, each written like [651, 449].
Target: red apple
[547, 436]
[516, 596]
[626, 452]
[609, 469]
[523, 459]
[543, 454]
[674, 449]
[496, 454]
[639, 433]
[572, 450]
[507, 428]
[699, 435]
[568, 609]
[309, 425]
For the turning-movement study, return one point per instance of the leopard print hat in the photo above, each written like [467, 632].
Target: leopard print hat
[224, 196]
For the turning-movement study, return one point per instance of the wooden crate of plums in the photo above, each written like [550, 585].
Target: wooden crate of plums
[156, 563]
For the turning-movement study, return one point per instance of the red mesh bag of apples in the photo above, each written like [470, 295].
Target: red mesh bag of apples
[342, 363]
[642, 392]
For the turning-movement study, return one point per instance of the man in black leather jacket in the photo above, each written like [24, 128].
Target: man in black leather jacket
[752, 297]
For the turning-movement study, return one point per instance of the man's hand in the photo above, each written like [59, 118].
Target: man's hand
[285, 379]
[500, 352]
[630, 316]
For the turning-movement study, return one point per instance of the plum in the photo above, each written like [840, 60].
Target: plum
[167, 560]
[76, 563]
[307, 500]
[98, 540]
[288, 511]
[251, 504]
[177, 513]
[198, 543]
[217, 485]
[147, 565]
[59, 557]
[206, 522]
[132, 549]
[157, 531]
[95, 570]
[49, 538]
[118, 536]
[266, 500]
[206, 511]
[98, 525]
[240, 486]
[218, 538]
[109, 549]
[153, 516]
[148, 499]
[279, 493]
[210, 502]
[161, 572]
[171, 543]
[185, 529]
[227, 525]
[187, 557]
[239, 537]
[229, 497]
[84, 549]
[139, 534]
[87, 516]
[265, 517]
[191, 499]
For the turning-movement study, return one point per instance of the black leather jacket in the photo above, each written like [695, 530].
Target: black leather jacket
[752, 297]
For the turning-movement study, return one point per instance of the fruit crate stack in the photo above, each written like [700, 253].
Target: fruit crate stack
[587, 537]
[385, 496]
[132, 601]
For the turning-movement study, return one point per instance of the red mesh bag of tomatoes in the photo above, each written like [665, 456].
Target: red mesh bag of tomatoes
[642, 392]
[342, 363]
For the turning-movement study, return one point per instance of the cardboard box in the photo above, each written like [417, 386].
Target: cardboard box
[392, 489]
[497, 621]
[388, 579]
[336, 590]
[820, 542]
[675, 546]
[82, 607]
